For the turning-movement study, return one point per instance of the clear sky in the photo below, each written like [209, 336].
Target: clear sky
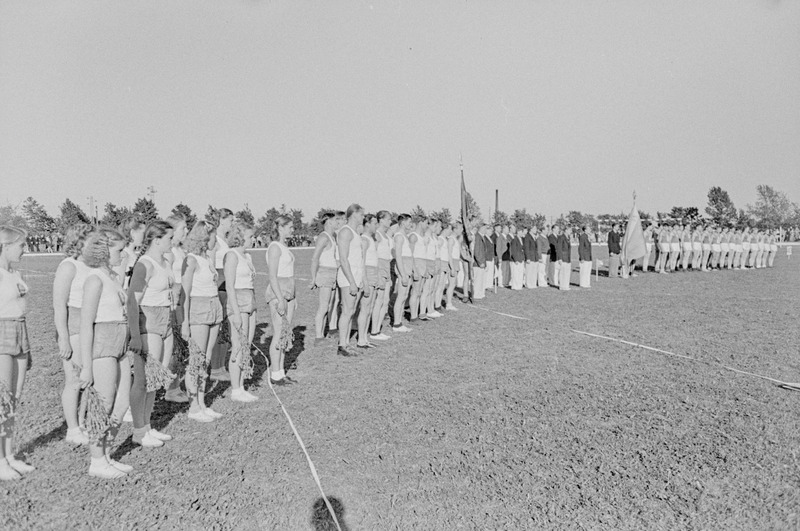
[560, 104]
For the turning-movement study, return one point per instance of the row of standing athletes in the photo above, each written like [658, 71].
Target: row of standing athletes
[122, 295]
[120, 298]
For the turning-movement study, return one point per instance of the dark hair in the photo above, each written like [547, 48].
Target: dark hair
[352, 209]
[225, 213]
[327, 216]
[383, 214]
[402, 217]
[95, 249]
[368, 218]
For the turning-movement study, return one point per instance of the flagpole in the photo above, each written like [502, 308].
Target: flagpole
[468, 285]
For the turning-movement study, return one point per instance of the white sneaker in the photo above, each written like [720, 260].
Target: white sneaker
[452, 308]
[240, 395]
[211, 413]
[200, 416]
[104, 470]
[380, 337]
[252, 396]
[20, 466]
[122, 467]
[160, 436]
[434, 313]
[401, 328]
[77, 437]
[148, 441]
[128, 417]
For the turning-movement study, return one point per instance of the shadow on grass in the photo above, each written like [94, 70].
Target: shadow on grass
[56, 434]
[321, 519]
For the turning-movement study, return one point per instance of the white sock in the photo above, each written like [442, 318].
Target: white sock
[73, 431]
[99, 461]
[278, 375]
[147, 428]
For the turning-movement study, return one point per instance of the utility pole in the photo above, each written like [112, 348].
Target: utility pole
[92, 210]
[151, 193]
[496, 200]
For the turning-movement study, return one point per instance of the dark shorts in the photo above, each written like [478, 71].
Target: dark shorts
[205, 311]
[14, 337]
[287, 289]
[245, 298]
[110, 340]
[155, 320]
[74, 320]
[326, 277]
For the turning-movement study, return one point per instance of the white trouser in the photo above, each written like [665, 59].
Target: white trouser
[586, 274]
[478, 288]
[564, 269]
[531, 274]
[517, 274]
[543, 271]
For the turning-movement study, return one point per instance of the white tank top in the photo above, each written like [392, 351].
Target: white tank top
[245, 272]
[371, 256]
[76, 288]
[111, 307]
[159, 288]
[431, 248]
[13, 291]
[178, 256]
[204, 281]
[420, 249]
[329, 257]
[286, 261]
[384, 245]
[406, 251]
[444, 249]
[220, 251]
[454, 248]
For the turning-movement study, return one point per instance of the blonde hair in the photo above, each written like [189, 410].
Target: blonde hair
[74, 238]
[236, 235]
[197, 240]
[95, 247]
[9, 235]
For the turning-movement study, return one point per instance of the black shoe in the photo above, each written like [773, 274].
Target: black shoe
[367, 346]
[424, 318]
[347, 353]
[282, 382]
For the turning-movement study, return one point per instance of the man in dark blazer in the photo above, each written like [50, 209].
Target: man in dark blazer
[478, 263]
[585, 258]
[516, 255]
[505, 257]
[553, 270]
[489, 241]
[531, 252]
[564, 258]
[613, 251]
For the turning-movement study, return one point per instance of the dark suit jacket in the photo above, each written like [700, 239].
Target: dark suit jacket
[613, 242]
[488, 243]
[563, 249]
[529, 248]
[552, 240]
[505, 247]
[479, 251]
[516, 251]
[584, 248]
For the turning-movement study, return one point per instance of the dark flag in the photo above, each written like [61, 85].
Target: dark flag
[465, 224]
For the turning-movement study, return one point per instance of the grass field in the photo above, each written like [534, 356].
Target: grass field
[473, 421]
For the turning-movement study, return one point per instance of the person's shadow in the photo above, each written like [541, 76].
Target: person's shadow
[321, 519]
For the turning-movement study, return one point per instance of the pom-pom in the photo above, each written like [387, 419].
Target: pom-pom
[156, 375]
[196, 368]
[224, 336]
[287, 336]
[243, 357]
[180, 351]
[7, 407]
[95, 414]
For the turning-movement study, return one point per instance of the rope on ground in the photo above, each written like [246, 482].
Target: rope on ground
[302, 445]
[785, 385]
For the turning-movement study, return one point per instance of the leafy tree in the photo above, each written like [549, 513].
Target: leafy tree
[539, 221]
[267, 222]
[473, 209]
[772, 208]
[315, 227]
[644, 215]
[443, 215]
[300, 229]
[418, 213]
[212, 215]
[10, 216]
[187, 213]
[743, 219]
[145, 209]
[70, 215]
[575, 219]
[246, 215]
[498, 216]
[684, 214]
[36, 217]
[114, 215]
[522, 219]
[720, 207]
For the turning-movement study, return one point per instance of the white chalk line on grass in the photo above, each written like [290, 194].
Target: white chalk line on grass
[785, 385]
[499, 313]
[302, 445]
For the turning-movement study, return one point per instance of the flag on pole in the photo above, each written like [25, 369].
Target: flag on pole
[633, 246]
[465, 221]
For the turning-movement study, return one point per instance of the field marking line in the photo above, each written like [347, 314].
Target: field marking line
[781, 383]
[499, 313]
[300, 441]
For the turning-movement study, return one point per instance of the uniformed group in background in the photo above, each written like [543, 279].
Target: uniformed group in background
[144, 306]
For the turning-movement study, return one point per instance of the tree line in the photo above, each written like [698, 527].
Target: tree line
[772, 209]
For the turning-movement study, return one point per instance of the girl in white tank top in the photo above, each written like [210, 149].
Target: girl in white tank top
[324, 268]
[280, 297]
